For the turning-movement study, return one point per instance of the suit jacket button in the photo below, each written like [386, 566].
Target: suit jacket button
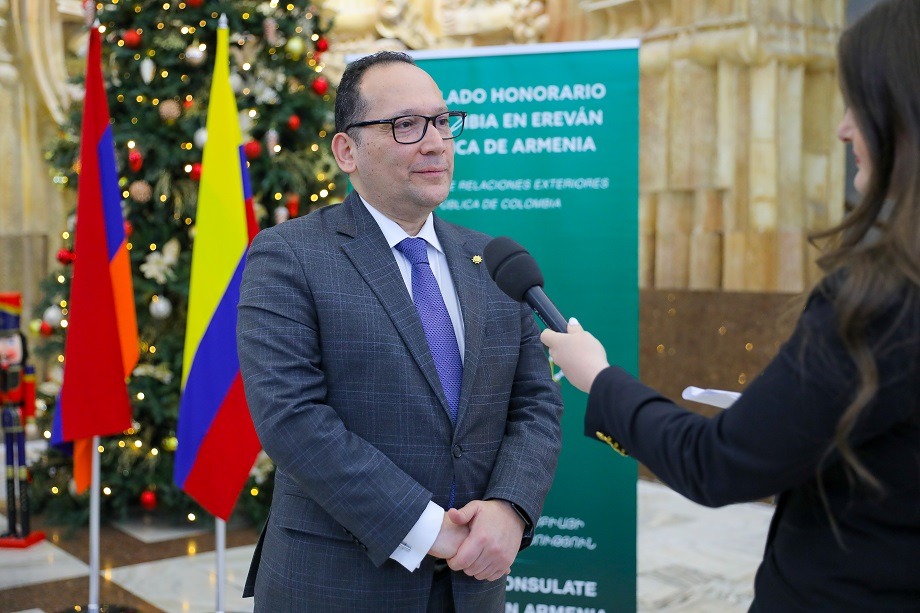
[458, 451]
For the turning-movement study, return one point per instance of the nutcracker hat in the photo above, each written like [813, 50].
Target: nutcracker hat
[10, 310]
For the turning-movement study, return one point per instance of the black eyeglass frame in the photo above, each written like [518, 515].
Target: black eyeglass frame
[429, 120]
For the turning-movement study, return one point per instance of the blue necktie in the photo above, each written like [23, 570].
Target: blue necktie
[439, 331]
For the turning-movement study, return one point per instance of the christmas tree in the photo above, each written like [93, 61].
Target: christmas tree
[157, 67]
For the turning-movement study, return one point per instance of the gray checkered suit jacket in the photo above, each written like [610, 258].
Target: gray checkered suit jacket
[347, 403]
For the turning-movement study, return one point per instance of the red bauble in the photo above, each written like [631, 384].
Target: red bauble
[135, 160]
[252, 149]
[293, 204]
[66, 256]
[188, 103]
[195, 173]
[129, 229]
[132, 39]
[45, 329]
[293, 122]
[149, 500]
[320, 85]
[194, 3]
[322, 45]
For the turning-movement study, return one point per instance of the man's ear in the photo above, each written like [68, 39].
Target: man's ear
[343, 148]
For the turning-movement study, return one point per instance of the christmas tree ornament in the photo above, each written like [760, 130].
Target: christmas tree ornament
[293, 122]
[170, 443]
[293, 204]
[170, 111]
[35, 326]
[295, 47]
[53, 316]
[160, 307]
[236, 82]
[45, 329]
[149, 500]
[271, 141]
[195, 55]
[89, 13]
[140, 191]
[270, 27]
[245, 122]
[158, 265]
[281, 214]
[200, 137]
[129, 229]
[322, 45]
[135, 160]
[252, 149]
[131, 38]
[195, 173]
[147, 69]
[66, 256]
[320, 85]
[194, 3]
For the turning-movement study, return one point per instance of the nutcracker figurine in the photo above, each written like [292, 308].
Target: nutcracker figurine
[17, 397]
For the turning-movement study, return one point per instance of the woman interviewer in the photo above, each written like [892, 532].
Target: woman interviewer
[832, 425]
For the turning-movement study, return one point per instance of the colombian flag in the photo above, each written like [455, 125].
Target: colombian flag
[101, 348]
[217, 440]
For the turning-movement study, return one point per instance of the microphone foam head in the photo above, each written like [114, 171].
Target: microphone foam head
[512, 268]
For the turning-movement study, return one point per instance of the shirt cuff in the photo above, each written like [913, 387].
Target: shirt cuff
[415, 546]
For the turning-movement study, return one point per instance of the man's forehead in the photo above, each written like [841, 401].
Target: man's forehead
[399, 89]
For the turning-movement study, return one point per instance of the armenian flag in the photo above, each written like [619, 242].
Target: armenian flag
[101, 348]
[217, 443]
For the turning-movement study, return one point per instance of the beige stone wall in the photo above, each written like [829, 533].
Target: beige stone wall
[738, 107]
[32, 82]
[738, 159]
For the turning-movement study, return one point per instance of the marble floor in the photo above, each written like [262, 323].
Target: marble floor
[691, 559]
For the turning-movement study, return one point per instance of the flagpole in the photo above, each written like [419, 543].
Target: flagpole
[93, 605]
[221, 528]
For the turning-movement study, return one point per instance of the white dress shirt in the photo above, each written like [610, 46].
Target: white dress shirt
[421, 537]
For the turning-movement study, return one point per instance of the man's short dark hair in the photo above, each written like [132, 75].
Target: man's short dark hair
[349, 105]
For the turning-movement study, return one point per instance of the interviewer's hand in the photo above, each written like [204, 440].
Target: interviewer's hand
[449, 539]
[580, 356]
[495, 538]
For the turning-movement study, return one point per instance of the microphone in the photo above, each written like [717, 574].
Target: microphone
[516, 273]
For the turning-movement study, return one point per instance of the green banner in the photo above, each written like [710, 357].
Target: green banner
[549, 157]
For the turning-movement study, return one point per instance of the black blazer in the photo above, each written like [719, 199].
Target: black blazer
[774, 441]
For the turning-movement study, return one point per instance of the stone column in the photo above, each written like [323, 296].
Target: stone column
[31, 205]
[738, 157]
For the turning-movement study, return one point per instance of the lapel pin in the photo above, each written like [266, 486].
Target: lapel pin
[477, 259]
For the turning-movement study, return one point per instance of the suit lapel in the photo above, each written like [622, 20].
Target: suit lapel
[469, 282]
[373, 259]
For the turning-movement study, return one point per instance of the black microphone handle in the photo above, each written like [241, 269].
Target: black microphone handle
[544, 307]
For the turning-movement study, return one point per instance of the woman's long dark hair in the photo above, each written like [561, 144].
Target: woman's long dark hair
[879, 64]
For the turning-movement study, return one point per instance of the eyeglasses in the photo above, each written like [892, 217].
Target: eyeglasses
[410, 129]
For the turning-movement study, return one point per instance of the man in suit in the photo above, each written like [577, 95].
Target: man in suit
[390, 380]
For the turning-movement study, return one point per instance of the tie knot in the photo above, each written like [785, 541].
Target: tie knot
[415, 250]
